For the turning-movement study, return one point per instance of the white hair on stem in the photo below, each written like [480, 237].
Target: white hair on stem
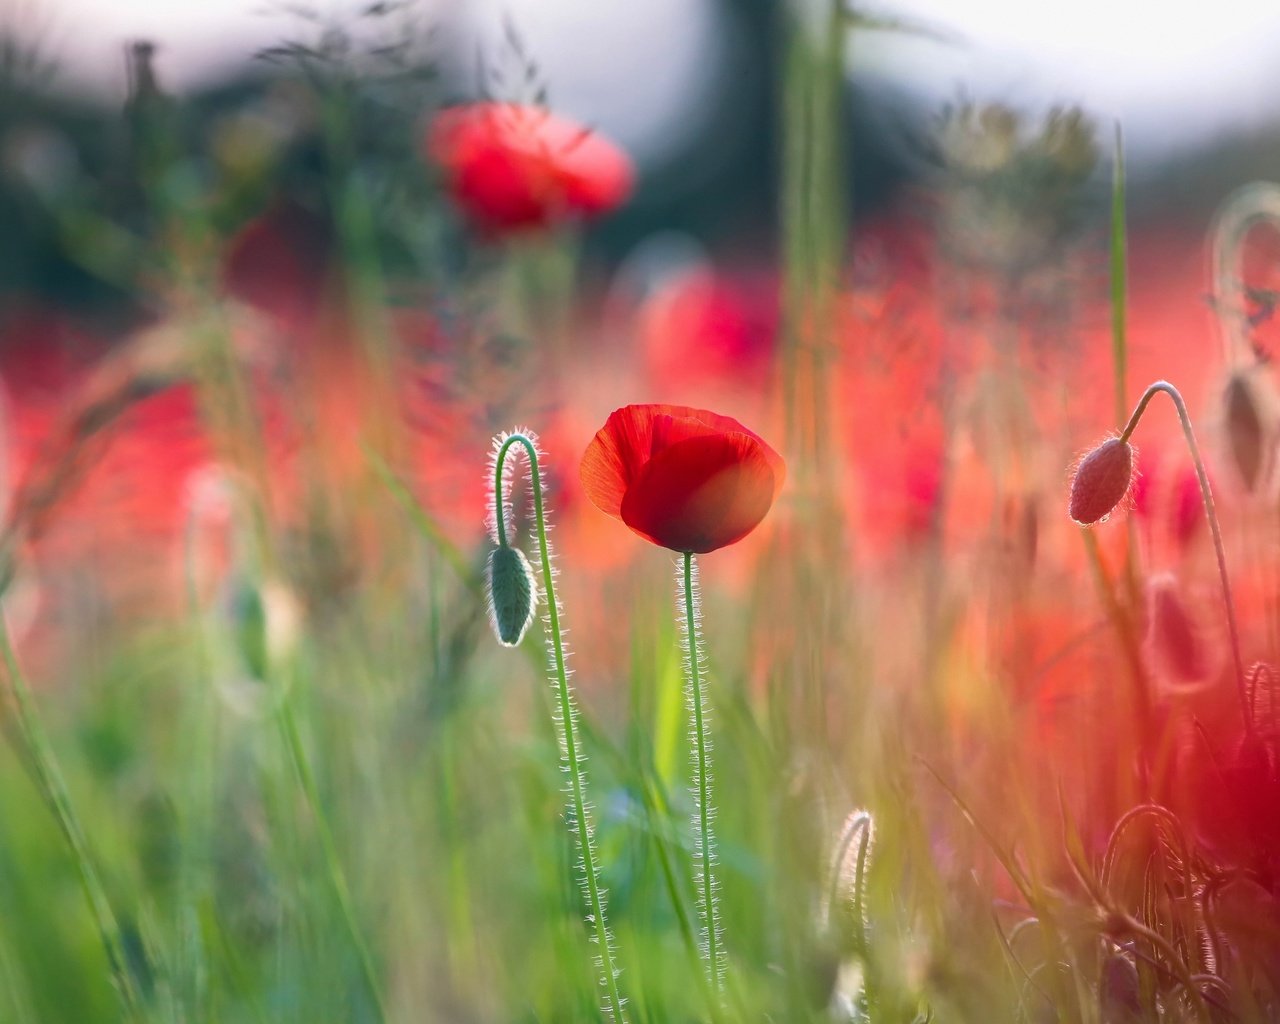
[705, 854]
[578, 816]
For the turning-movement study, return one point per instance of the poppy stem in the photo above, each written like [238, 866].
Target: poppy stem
[1215, 530]
[566, 722]
[713, 955]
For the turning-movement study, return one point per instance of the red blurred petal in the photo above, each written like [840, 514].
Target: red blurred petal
[701, 493]
[510, 166]
[279, 262]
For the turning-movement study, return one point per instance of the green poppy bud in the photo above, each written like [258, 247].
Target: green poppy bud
[513, 594]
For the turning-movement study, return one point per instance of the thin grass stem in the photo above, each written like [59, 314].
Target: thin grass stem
[54, 789]
[288, 723]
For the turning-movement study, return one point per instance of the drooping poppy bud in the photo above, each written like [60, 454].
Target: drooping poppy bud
[1101, 481]
[513, 594]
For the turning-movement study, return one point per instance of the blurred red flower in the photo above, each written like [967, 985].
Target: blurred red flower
[686, 479]
[281, 263]
[512, 167]
[712, 329]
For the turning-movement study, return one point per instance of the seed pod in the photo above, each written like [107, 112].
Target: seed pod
[1174, 644]
[1246, 440]
[1101, 481]
[513, 594]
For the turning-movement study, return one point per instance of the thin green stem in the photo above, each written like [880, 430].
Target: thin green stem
[337, 879]
[1119, 278]
[566, 721]
[1215, 530]
[713, 954]
[658, 803]
[1119, 333]
[56, 794]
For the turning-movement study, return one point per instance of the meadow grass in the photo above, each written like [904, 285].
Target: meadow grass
[307, 785]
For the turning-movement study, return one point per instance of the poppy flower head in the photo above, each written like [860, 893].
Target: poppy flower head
[685, 479]
[512, 167]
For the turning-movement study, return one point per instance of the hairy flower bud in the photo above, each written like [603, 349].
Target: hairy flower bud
[513, 594]
[1101, 481]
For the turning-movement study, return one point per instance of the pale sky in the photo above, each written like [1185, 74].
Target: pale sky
[1173, 71]
[634, 68]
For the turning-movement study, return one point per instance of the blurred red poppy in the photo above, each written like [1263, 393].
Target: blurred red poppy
[711, 328]
[281, 263]
[512, 167]
[687, 479]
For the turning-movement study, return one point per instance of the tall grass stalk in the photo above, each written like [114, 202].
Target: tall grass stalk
[288, 723]
[54, 789]
[812, 218]
[1120, 605]
[1119, 280]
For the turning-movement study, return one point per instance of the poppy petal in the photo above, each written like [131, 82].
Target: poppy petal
[702, 493]
[634, 433]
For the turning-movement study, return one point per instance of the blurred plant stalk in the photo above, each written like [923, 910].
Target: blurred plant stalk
[35, 743]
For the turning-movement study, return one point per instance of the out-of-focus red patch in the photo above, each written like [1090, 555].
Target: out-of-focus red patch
[707, 329]
[512, 167]
[280, 263]
[1231, 787]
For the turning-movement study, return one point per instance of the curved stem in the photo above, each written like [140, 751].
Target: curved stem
[1214, 529]
[56, 795]
[500, 485]
[708, 906]
[567, 721]
[857, 826]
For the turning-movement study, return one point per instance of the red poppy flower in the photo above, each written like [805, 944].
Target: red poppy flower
[687, 479]
[512, 167]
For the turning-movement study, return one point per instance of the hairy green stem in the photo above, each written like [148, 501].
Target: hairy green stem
[1215, 530]
[54, 789]
[595, 896]
[713, 955]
